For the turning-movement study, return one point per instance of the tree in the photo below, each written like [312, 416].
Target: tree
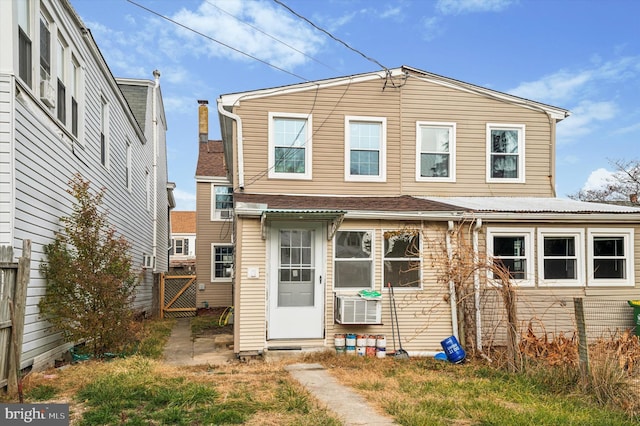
[623, 183]
[90, 283]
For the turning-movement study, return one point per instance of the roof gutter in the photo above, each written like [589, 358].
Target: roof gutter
[567, 217]
[238, 121]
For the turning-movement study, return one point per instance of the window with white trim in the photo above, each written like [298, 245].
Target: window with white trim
[435, 151]
[221, 262]
[221, 202]
[353, 259]
[61, 74]
[74, 93]
[104, 129]
[365, 148]
[560, 257]
[513, 248]
[290, 145]
[24, 41]
[402, 259]
[610, 256]
[179, 247]
[505, 152]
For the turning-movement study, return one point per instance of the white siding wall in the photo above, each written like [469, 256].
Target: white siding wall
[42, 160]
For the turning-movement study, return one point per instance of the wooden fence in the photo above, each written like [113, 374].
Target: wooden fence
[14, 279]
[177, 295]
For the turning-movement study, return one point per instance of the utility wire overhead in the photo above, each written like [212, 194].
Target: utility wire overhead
[270, 36]
[217, 41]
[332, 36]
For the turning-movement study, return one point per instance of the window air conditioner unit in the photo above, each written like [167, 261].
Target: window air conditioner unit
[356, 310]
[47, 93]
[226, 214]
[147, 261]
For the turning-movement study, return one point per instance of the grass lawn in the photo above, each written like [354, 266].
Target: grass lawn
[142, 390]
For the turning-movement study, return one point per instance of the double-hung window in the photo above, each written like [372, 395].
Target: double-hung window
[435, 153]
[290, 146]
[505, 152]
[402, 259]
[180, 247]
[222, 202]
[24, 41]
[512, 248]
[61, 72]
[353, 259]
[365, 150]
[610, 256]
[221, 262]
[560, 256]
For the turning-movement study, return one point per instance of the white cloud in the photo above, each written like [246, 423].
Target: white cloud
[213, 18]
[186, 200]
[584, 119]
[454, 7]
[433, 26]
[598, 180]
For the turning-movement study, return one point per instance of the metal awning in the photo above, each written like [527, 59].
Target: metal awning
[333, 218]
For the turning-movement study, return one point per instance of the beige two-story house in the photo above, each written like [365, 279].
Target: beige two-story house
[356, 183]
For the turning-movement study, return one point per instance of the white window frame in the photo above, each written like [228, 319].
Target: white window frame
[403, 259]
[382, 172]
[628, 235]
[213, 263]
[371, 260]
[216, 214]
[308, 146]
[175, 247]
[578, 235]
[452, 150]
[521, 151]
[528, 234]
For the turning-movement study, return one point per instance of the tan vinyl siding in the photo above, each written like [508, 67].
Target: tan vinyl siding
[328, 107]
[251, 296]
[425, 101]
[210, 232]
[402, 107]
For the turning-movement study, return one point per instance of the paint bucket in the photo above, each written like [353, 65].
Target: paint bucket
[340, 340]
[455, 353]
[371, 340]
[361, 340]
[341, 350]
[381, 352]
[350, 350]
[381, 342]
[351, 340]
[371, 351]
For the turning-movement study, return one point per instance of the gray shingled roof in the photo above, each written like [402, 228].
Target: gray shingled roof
[136, 97]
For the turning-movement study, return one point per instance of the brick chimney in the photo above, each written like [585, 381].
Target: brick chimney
[203, 121]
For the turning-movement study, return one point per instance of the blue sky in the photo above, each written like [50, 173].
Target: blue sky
[581, 55]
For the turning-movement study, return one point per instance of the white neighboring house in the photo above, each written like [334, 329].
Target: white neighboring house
[182, 254]
[62, 112]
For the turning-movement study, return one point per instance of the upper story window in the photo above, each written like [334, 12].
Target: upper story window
[365, 150]
[513, 248]
[610, 256]
[402, 259]
[290, 146]
[104, 126]
[560, 257]
[45, 48]
[505, 153]
[24, 41]
[180, 247]
[74, 92]
[353, 259]
[222, 202]
[61, 72]
[435, 153]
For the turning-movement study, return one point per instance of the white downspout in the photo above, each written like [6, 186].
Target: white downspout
[154, 109]
[452, 287]
[238, 120]
[476, 284]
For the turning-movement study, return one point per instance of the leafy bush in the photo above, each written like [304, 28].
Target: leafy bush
[90, 284]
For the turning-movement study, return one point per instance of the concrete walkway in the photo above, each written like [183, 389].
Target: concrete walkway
[349, 406]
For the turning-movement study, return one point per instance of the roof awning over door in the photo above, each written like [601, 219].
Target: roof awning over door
[333, 218]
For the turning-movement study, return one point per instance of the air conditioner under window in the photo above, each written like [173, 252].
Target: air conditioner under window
[357, 310]
[148, 262]
[226, 214]
[47, 93]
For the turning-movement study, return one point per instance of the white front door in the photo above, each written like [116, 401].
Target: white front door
[296, 281]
